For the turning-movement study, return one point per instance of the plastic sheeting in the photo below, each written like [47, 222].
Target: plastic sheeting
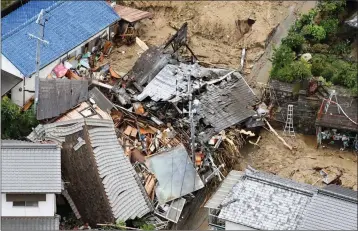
[175, 173]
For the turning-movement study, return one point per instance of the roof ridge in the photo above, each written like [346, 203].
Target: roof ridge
[281, 184]
[10, 33]
[337, 195]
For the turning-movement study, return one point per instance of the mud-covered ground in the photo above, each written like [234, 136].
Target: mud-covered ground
[302, 164]
[218, 30]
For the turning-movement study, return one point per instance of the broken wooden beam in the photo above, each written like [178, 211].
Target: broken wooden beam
[279, 137]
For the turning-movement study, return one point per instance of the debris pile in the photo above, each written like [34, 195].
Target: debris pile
[172, 119]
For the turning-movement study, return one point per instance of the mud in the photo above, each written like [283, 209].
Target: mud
[304, 163]
[217, 30]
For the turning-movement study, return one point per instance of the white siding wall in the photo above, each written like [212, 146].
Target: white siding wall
[45, 208]
[17, 95]
[233, 226]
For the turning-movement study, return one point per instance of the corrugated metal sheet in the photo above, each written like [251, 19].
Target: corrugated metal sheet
[172, 81]
[333, 119]
[30, 223]
[329, 213]
[8, 81]
[228, 104]
[224, 189]
[30, 167]
[130, 14]
[69, 24]
[100, 99]
[271, 204]
[175, 173]
[148, 65]
[56, 96]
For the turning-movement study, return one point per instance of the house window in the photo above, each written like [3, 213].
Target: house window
[25, 204]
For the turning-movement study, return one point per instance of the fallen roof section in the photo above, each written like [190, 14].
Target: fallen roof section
[149, 65]
[30, 167]
[175, 173]
[172, 81]
[8, 81]
[56, 96]
[130, 14]
[228, 104]
[126, 195]
[85, 110]
[30, 223]
[224, 189]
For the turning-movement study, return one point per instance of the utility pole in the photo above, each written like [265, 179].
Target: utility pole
[191, 118]
[40, 39]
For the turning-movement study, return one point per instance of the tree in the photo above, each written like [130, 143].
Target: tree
[15, 124]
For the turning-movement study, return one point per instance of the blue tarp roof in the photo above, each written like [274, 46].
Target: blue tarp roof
[69, 24]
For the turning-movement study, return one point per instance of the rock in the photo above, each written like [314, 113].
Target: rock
[307, 57]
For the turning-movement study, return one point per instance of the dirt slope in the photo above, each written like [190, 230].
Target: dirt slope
[217, 30]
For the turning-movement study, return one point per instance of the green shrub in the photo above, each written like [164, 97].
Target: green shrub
[341, 48]
[314, 33]
[304, 20]
[294, 41]
[331, 7]
[15, 124]
[297, 70]
[330, 25]
[320, 48]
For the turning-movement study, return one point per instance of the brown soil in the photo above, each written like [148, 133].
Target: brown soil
[217, 30]
[301, 165]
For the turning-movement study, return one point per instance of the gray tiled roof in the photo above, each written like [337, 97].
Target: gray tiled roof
[328, 212]
[267, 202]
[340, 192]
[30, 223]
[30, 167]
[56, 96]
[227, 104]
[224, 189]
[126, 195]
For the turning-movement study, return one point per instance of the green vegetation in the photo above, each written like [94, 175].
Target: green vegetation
[15, 124]
[321, 33]
[5, 3]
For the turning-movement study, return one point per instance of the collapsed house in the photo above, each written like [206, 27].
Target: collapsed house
[253, 200]
[31, 178]
[103, 184]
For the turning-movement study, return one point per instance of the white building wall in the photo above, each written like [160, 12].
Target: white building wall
[45, 208]
[234, 226]
[17, 95]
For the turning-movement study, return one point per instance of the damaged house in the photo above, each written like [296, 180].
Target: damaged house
[31, 178]
[102, 182]
[71, 28]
